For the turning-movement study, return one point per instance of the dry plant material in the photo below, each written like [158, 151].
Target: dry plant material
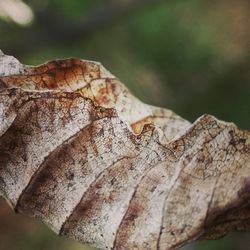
[82, 154]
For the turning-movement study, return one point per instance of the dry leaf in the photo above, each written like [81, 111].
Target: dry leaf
[78, 151]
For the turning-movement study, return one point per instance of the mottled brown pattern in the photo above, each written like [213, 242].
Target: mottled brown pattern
[82, 154]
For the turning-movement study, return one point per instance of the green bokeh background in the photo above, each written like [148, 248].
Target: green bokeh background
[192, 56]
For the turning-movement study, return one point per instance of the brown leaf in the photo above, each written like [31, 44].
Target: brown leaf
[78, 151]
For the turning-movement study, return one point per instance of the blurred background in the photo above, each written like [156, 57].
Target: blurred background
[192, 56]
